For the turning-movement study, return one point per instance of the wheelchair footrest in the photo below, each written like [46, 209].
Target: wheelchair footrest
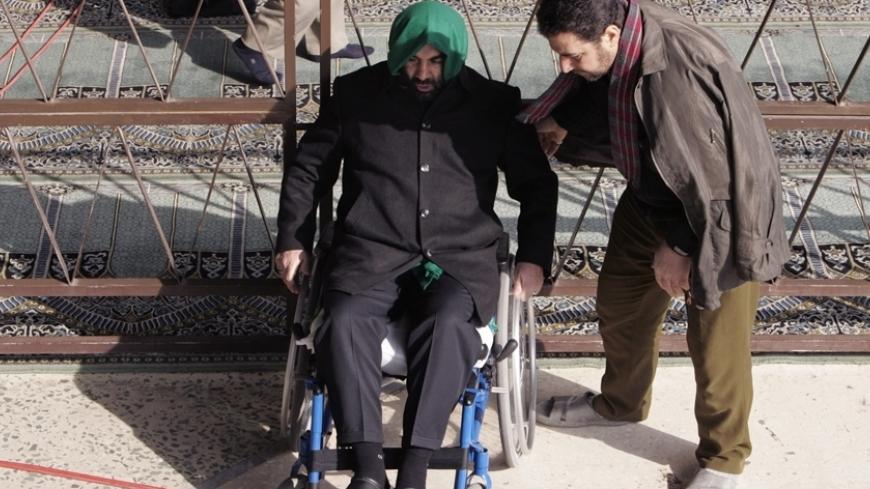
[342, 459]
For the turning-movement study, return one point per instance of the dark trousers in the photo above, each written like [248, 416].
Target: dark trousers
[631, 307]
[442, 347]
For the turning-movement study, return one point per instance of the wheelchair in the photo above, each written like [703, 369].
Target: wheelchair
[506, 369]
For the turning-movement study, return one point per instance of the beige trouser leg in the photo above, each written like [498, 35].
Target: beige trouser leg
[269, 24]
[631, 307]
[719, 344]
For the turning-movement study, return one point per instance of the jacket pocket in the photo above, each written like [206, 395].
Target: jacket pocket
[724, 219]
[717, 139]
[720, 232]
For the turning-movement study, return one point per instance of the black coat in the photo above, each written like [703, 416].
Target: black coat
[419, 182]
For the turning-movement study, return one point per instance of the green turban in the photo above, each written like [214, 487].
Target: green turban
[433, 23]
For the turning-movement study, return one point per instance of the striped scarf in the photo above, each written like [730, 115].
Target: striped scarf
[624, 121]
[563, 86]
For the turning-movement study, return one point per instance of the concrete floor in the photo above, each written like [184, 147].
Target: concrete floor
[210, 430]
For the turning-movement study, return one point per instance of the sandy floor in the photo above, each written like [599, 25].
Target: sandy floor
[217, 430]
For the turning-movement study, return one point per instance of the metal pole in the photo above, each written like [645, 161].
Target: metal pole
[75, 22]
[183, 49]
[842, 96]
[829, 70]
[580, 219]
[803, 213]
[20, 44]
[210, 189]
[254, 188]
[476, 40]
[52, 237]
[163, 241]
[758, 34]
[522, 41]
[357, 30]
[135, 33]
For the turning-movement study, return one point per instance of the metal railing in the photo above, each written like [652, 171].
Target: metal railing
[841, 114]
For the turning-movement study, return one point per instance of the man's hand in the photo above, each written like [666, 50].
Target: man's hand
[672, 270]
[289, 263]
[528, 280]
[550, 135]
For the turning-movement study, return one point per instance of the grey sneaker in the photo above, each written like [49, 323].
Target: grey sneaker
[713, 479]
[572, 412]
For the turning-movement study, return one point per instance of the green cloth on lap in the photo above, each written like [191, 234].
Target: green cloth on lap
[427, 273]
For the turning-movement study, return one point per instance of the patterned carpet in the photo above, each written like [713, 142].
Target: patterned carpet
[106, 13]
[177, 163]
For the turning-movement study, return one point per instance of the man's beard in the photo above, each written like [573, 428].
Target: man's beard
[606, 59]
[431, 87]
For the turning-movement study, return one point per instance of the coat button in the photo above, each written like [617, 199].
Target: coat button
[426, 126]
[428, 253]
[424, 213]
[424, 168]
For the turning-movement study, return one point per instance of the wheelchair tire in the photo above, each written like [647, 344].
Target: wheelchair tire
[295, 400]
[516, 376]
[522, 369]
[295, 403]
[530, 379]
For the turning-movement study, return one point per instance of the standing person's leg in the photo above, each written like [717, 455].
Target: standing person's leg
[269, 25]
[348, 349]
[631, 307]
[338, 33]
[339, 45]
[719, 344]
[443, 345]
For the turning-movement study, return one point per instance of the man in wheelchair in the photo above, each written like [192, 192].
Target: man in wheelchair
[422, 137]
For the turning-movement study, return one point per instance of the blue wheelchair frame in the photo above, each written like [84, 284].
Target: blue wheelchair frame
[470, 459]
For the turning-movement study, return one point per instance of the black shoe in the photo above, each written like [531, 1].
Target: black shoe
[256, 63]
[367, 483]
[351, 51]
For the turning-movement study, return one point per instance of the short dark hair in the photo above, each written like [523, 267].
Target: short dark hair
[585, 18]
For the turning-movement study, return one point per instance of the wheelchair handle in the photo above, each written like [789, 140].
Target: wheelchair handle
[504, 248]
[506, 351]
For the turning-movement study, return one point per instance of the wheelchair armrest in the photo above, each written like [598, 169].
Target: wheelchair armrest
[503, 251]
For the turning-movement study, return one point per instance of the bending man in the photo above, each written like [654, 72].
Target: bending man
[663, 100]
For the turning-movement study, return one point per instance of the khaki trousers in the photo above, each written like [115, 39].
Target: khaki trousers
[269, 24]
[631, 308]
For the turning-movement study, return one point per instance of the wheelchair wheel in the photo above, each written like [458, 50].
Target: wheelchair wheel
[295, 401]
[294, 406]
[516, 376]
[528, 369]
